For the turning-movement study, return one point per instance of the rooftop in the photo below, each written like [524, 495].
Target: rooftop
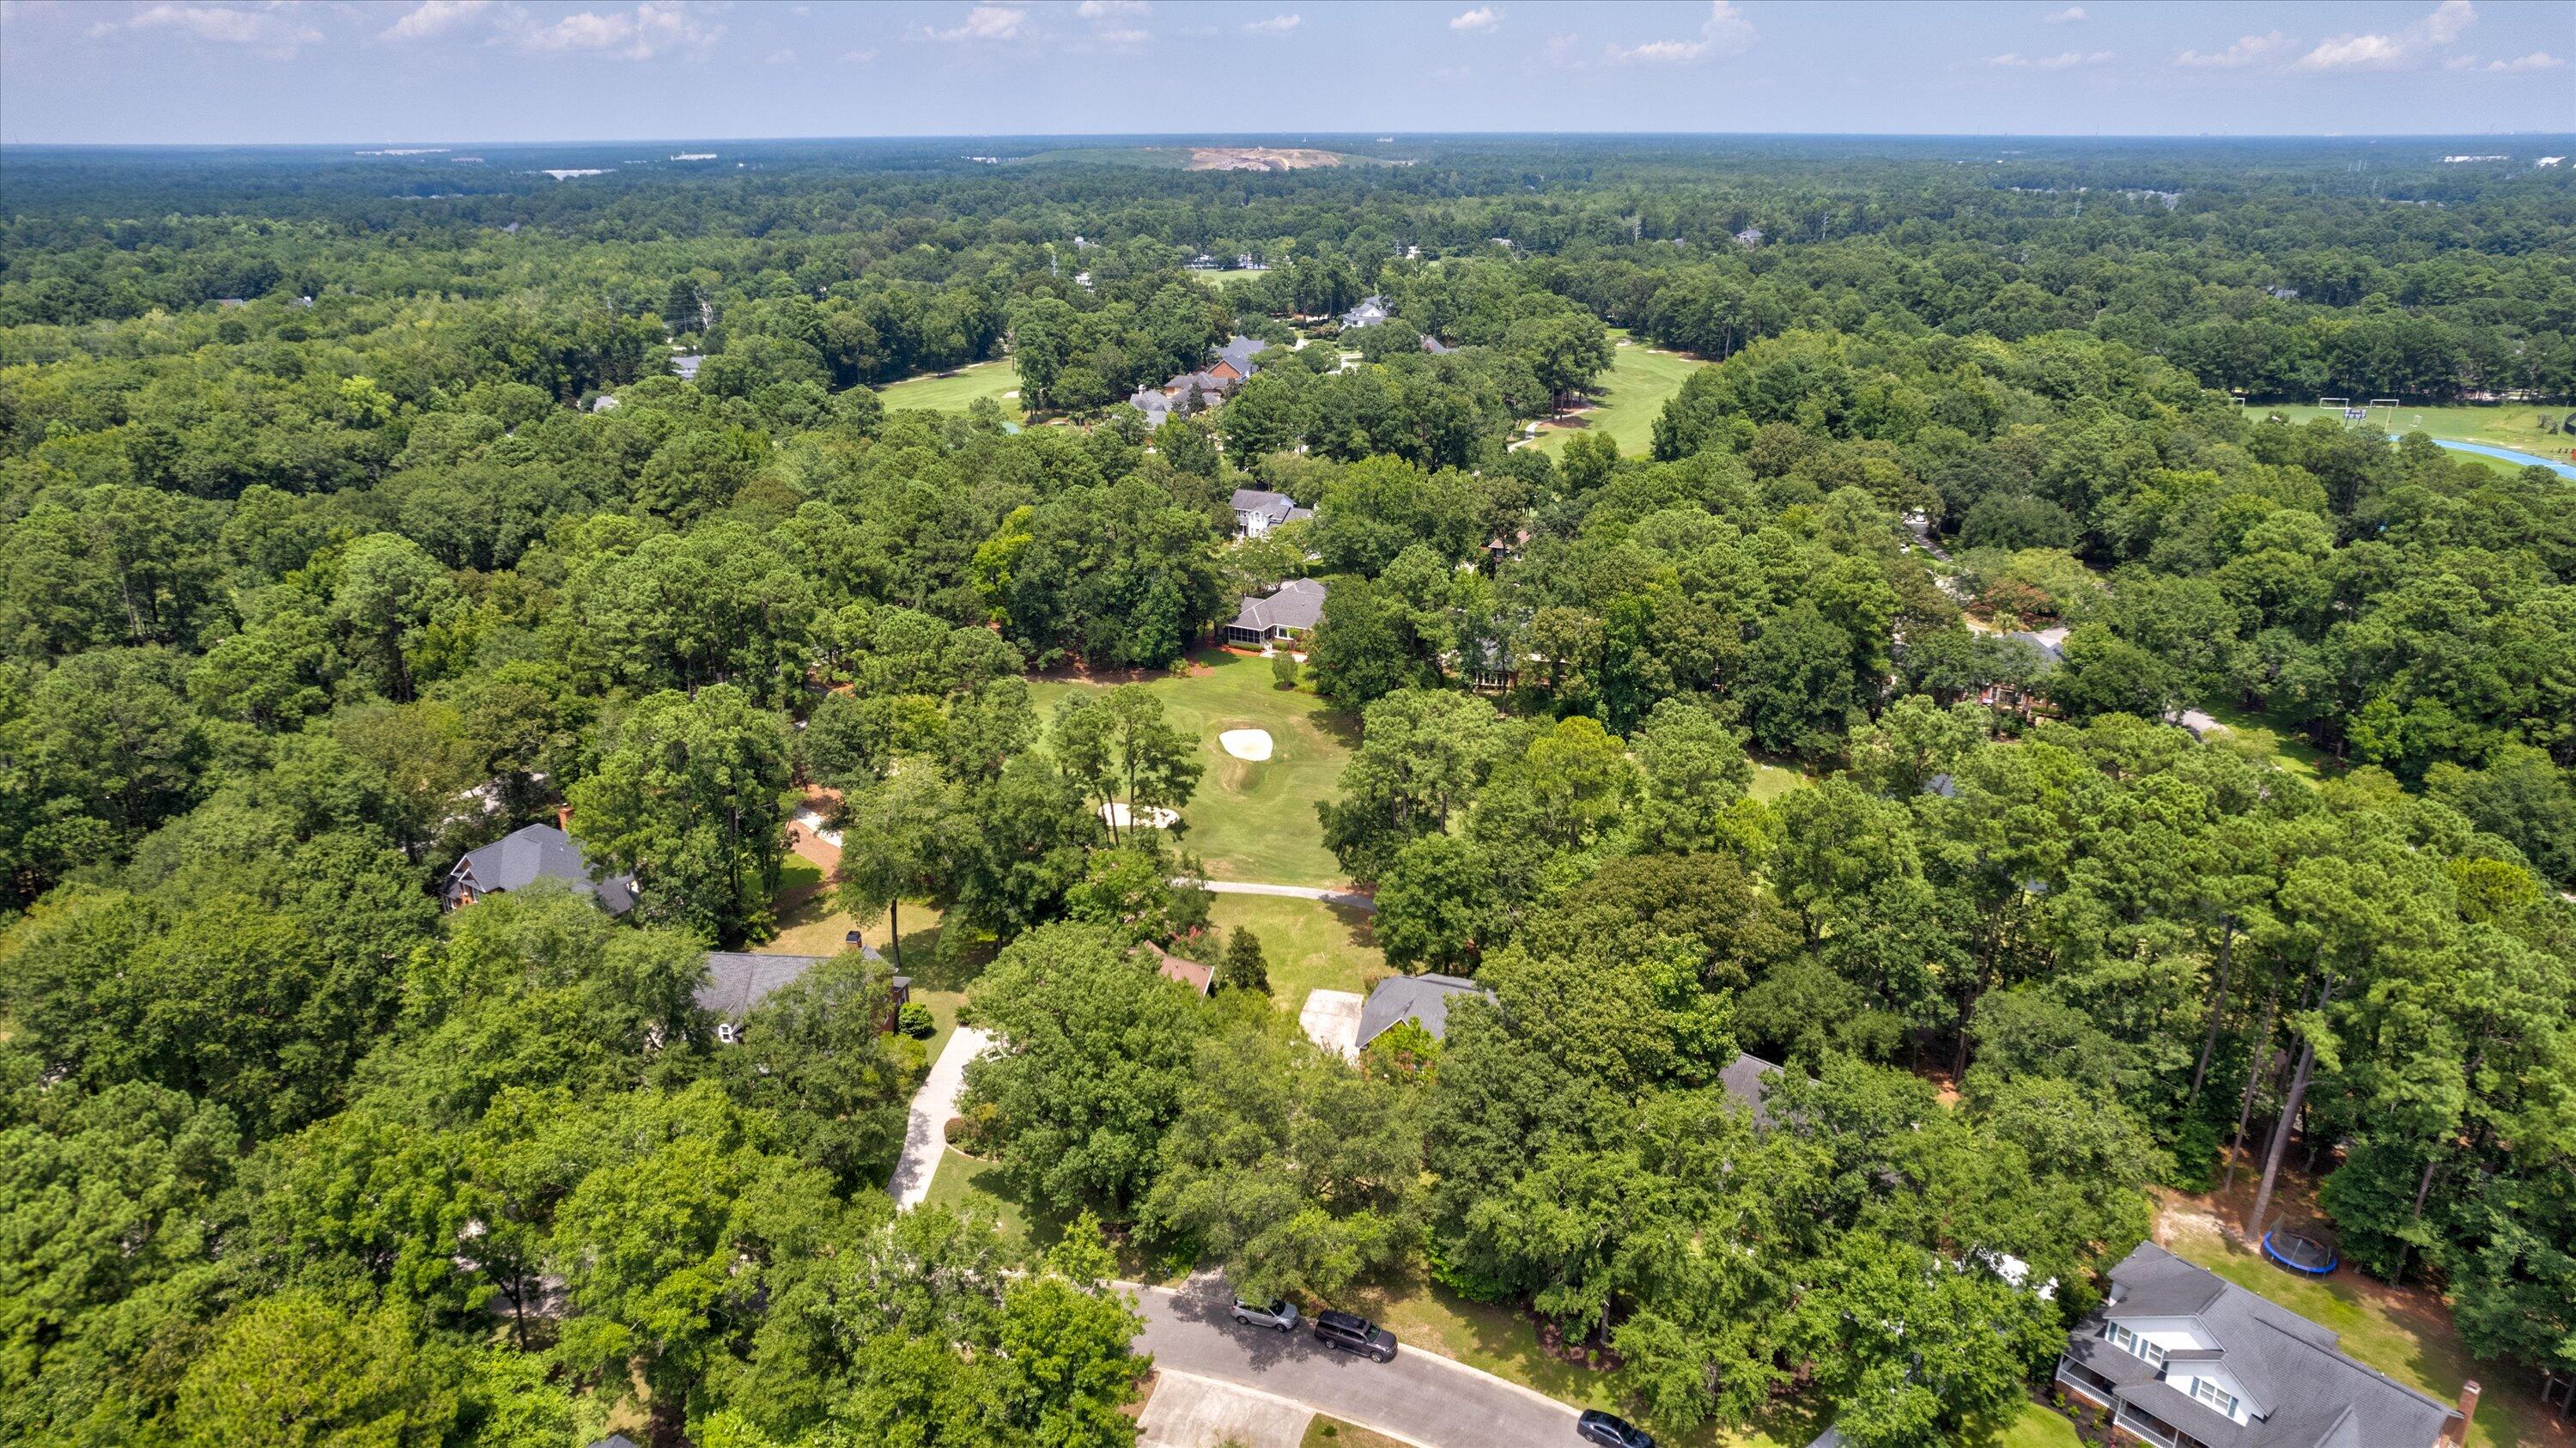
[1299, 604]
[538, 852]
[1421, 999]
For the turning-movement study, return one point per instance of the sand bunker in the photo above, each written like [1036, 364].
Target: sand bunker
[1120, 817]
[1252, 744]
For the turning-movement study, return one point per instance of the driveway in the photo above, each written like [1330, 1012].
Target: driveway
[1420, 1398]
[1352, 899]
[1331, 1019]
[1189, 1411]
[925, 1136]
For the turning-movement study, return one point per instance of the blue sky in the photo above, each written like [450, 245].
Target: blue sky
[503, 70]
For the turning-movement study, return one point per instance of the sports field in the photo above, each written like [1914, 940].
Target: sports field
[952, 391]
[1630, 396]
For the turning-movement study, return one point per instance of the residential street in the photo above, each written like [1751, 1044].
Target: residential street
[1420, 1398]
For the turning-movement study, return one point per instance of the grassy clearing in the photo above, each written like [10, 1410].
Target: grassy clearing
[952, 391]
[1228, 280]
[1770, 781]
[1630, 397]
[1310, 945]
[2407, 1335]
[1250, 821]
[2520, 426]
[2267, 736]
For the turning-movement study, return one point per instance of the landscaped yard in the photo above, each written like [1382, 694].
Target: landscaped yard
[1630, 396]
[1250, 821]
[952, 391]
[1310, 945]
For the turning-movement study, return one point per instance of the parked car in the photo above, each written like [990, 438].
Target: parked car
[1281, 1315]
[1352, 1333]
[1611, 1431]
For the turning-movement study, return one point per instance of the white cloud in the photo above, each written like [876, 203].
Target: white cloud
[2460, 62]
[1724, 31]
[2245, 51]
[267, 29]
[2449, 19]
[2067, 61]
[1275, 25]
[654, 27]
[2354, 52]
[783, 55]
[2537, 60]
[1106, 9]
[1483, 17]
[2067, 16]
[435, 17]
[857, 57]
[987, 22]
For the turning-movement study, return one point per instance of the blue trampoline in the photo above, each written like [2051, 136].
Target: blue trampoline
[2301, 1251]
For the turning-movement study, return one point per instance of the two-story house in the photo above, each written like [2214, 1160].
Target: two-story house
[2181, 1358]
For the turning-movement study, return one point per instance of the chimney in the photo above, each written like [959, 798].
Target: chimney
[2459, 1432]
[563, 818]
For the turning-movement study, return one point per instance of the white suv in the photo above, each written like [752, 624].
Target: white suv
[1281, 1315]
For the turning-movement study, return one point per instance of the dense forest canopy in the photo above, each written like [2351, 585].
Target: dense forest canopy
[354, 511]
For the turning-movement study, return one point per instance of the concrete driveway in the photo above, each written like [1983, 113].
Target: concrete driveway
[1189, 1411]
[1331, 1019]
[925, 1135]
[1420, 1398]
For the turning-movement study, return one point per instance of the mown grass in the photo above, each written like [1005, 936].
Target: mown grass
[2520, 426]
[1310, 945]
[1250, 821]
[952, 391]
[1629, 397]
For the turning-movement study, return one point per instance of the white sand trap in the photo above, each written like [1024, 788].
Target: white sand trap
[1119, 817]
[1252, 744]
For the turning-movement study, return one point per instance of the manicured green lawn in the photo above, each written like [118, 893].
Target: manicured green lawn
[1770, 781]
[2402, 1334]
[1250, 821]
[2520, 426]
[1631, 395]
[951, 391]
[963, 1182]
[2037, 1427]
[1310, 945]
[2265, 735]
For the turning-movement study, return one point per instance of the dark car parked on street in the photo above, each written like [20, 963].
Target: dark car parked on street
[1610, 1431]
[1352, 1333]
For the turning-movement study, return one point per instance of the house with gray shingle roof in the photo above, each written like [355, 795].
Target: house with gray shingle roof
[1289, 613]
[1256, 511]
[1371, 311]
[1421, 999]
[1154, 403]
[1236, 356]
[2183, 1358]
[737, 981]
[521, 858]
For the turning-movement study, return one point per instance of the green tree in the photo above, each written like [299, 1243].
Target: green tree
[293, 1369]
[690, 798]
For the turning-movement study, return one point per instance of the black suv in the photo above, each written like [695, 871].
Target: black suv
[1354, 1334]
[1609, 1431]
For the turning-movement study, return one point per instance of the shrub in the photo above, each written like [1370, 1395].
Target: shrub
[915, 1020]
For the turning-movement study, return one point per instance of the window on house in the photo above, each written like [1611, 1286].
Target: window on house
[2203, 1390]
[2132, 1344]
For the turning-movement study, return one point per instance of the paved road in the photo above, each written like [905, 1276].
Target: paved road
[1420, 1398]
[925, 1135]
[1350, 898]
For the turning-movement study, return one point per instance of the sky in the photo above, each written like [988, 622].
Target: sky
[335, 71]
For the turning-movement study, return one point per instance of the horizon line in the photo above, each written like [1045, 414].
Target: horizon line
[1371, 133]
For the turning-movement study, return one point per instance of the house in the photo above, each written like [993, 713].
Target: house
[685, 365]
[604, 402]
[1747, 1081]
[1435, 346]
[1235, 357]
[2050, 646]
[521, 858]
[1246, 261]
[1749, 238]
[1371, 311]
[1154, 403]
[2185, 1359]
[738, 980]
[1209, 386]
[1200, 978]
[2282, 294]
[1202, 262]
[1290, 613]
[1421, 999]
[1257, 512]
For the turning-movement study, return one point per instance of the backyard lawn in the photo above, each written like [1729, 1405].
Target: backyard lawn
[1630, 397]
[1250, 821]
[1310, 945]
[951, 391]
[2404, 1334]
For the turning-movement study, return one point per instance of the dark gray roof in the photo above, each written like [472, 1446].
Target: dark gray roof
[1298, 604]
[1277, 507]
[1744, 1081]
[1421, 999]
[2051, 643]
[739, 980]
[1239, 350]
[1151, 402]
[2313, 1395]
[539, 852]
